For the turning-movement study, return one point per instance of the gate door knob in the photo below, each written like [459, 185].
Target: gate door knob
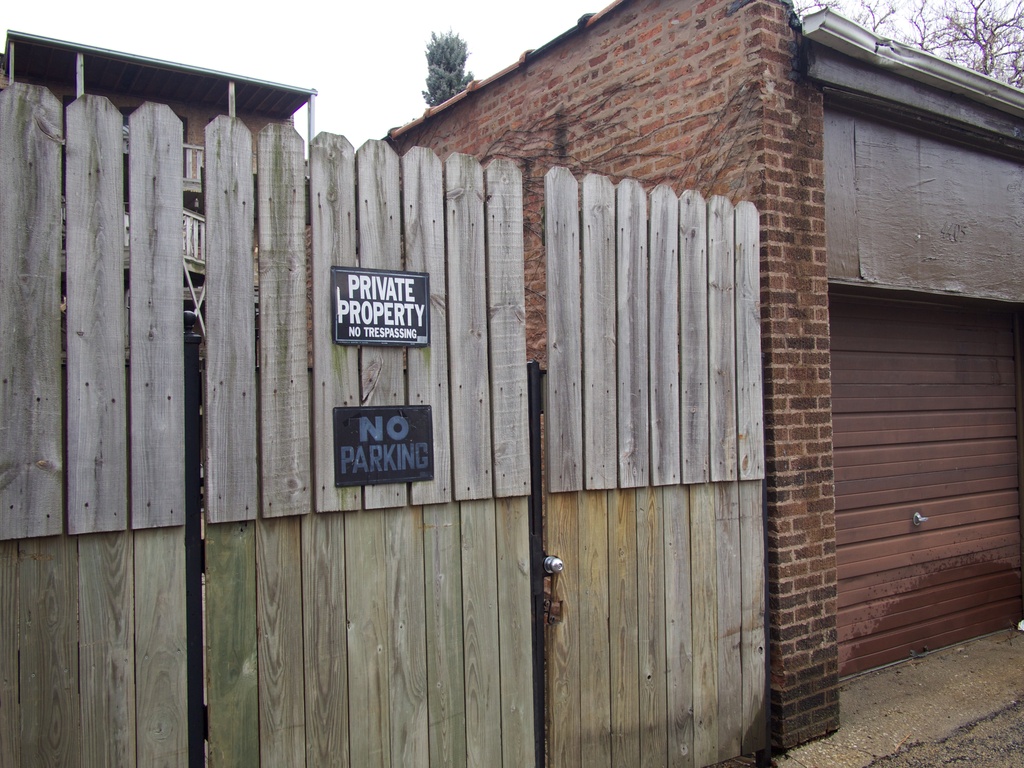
[553, 564]
[919, 518]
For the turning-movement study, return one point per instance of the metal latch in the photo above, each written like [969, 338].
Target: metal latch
[553, 606]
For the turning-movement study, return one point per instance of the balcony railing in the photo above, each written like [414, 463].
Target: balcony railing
[193, 237]
[192, 161]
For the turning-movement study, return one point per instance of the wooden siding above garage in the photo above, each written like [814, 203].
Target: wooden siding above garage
[925, 421]
[910, 211]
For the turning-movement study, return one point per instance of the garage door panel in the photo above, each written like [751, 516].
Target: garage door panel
[856, 398]
[858, 313]
[919, 339]
[907, 610]
[863, 654]
[863, 367]
[965, 332]
[956, 484]
[926, 546]
[947, 476]
[879, 584]
[875, 524]
[888, 460]
[896, 428]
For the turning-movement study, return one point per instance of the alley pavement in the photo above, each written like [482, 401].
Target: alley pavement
[961, 706]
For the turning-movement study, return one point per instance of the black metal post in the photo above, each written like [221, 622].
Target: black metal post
[536, 407]
[194, 548]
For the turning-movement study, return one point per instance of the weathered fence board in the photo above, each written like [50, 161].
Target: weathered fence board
[160, 656]
[232, 686]
[694, 438]
[97, 407]
[380, 247]
[48, 663]
[722, 338]
[506, 343]
[279, 647]
[651, 609]
[325, 644]
[335, 366]
[368, 647]
[424, 219]
[624, 642]
[480, 631]
[407, 676]
[704, 586]
[632, 335]
[442, 544]
[230, 399]
[749, 403]
[284, 393]
[10, 626]
[678, 626]
[106, 617]
[563, 642]
[752, 632]
[155, 322]
[31, 450]
[513, 603]
[591, 614]
[730, 669]
[564, 430]
[467, 317]
[600, 403]
[664, 343]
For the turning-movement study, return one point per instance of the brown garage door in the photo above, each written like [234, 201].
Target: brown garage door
[925, 425]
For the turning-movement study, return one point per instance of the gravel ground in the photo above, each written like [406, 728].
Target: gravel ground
[996, 741]
[961, 706]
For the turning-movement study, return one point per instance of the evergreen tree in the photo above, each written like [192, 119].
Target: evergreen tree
[446, 65]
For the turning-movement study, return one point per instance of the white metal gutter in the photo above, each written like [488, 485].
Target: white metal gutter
[833, 31]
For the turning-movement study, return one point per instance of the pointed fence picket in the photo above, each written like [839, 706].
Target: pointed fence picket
[383, 625]
[31, 451]
[97, 398]
[230, 398]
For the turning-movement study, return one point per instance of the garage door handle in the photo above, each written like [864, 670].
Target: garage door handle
[919, 518]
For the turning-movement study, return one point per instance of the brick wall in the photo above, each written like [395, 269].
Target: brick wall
[702, 95]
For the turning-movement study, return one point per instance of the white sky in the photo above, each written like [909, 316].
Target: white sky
[366, 60]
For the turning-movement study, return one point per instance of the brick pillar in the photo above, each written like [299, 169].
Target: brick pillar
[798, 411]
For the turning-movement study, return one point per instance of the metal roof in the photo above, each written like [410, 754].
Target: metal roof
[47, 61]
[834, 31]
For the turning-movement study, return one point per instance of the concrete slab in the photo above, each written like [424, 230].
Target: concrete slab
[920, 701]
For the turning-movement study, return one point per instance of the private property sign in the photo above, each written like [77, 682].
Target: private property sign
[376, 307]
[385, 444]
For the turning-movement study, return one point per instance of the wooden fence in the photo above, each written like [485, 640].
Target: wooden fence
[387, 625]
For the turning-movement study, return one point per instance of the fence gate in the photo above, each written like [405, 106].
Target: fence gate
[385, 625]
[655, 643]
